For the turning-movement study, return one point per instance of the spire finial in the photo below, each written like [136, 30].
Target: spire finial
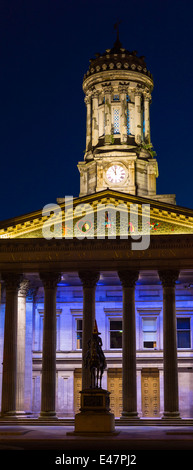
[117, 42]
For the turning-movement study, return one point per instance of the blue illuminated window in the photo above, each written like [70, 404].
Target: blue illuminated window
[128, 122]
[116, 121]
[128, 116]
[183, 333]
[143, 124]
[116, 98]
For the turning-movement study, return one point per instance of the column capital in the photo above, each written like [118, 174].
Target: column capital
[123, 88]
[89, 278]
[138, 91]
[87, 99]
[23, 288]
[147, 96]
[12, 280]
[107, 88]
[95, 94]
[50, 279]
[128, 278]
[168, 277]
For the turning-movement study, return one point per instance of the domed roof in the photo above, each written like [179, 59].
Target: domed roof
[117, 58]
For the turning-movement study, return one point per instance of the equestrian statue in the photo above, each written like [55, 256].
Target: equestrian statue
[95, 359]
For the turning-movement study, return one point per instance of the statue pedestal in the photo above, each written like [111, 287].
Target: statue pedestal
[94, 417]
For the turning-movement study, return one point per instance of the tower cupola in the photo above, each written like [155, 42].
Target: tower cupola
[118, 154]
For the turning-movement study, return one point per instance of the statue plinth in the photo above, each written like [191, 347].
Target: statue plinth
[95, 399]
[94, 416]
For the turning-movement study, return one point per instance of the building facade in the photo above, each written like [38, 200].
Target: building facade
[58, 275]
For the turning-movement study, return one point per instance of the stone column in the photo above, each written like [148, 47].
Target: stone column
[21, 336]
[171, 406]
[30, 314]
[48, 397]
[8, 405]
[88, 122]
[138, 120]
[95, 119]
[89, 280]
[108, 131]
[123, 117]
[128, 280]
[147, 98]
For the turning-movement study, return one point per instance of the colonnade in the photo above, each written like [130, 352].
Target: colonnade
[13, 368]
[140, 114]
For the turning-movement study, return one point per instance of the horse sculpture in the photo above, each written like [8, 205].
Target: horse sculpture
[95, 359]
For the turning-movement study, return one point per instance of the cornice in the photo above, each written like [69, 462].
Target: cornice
[120, 75]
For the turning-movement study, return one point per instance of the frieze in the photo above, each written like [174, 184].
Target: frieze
[166, 242]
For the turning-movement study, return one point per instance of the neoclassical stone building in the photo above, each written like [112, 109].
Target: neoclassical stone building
[81, 259]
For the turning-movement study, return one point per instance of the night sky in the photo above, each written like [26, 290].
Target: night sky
[45, 47]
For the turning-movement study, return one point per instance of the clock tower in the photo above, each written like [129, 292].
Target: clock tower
[118, 153]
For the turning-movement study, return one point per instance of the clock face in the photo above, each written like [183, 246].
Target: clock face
[115, 174]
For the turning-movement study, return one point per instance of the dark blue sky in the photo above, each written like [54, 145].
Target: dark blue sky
[45, 47]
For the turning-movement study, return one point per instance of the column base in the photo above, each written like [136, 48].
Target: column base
[171, 415]
[48, 415]
[130, 414]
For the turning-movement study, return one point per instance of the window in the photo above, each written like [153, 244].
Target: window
[78, 334]
[116, 98]
[116, 121]
[143, 124]
[128, 122]
[149, 333]
[115, 334]
[183, 333]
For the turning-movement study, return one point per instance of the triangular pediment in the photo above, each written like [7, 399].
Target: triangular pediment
[80, 216]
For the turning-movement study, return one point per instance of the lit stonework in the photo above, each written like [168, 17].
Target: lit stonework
[52, 290]
[118, 90]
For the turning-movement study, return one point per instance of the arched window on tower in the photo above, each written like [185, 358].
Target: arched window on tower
[116, 120]
[101, 111]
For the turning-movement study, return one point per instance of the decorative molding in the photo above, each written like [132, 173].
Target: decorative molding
[34, 255]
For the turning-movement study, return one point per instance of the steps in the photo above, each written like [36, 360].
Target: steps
[153, 421]
[123, 421]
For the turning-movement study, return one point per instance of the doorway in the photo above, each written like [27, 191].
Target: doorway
[114, 386]
[150, 392]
